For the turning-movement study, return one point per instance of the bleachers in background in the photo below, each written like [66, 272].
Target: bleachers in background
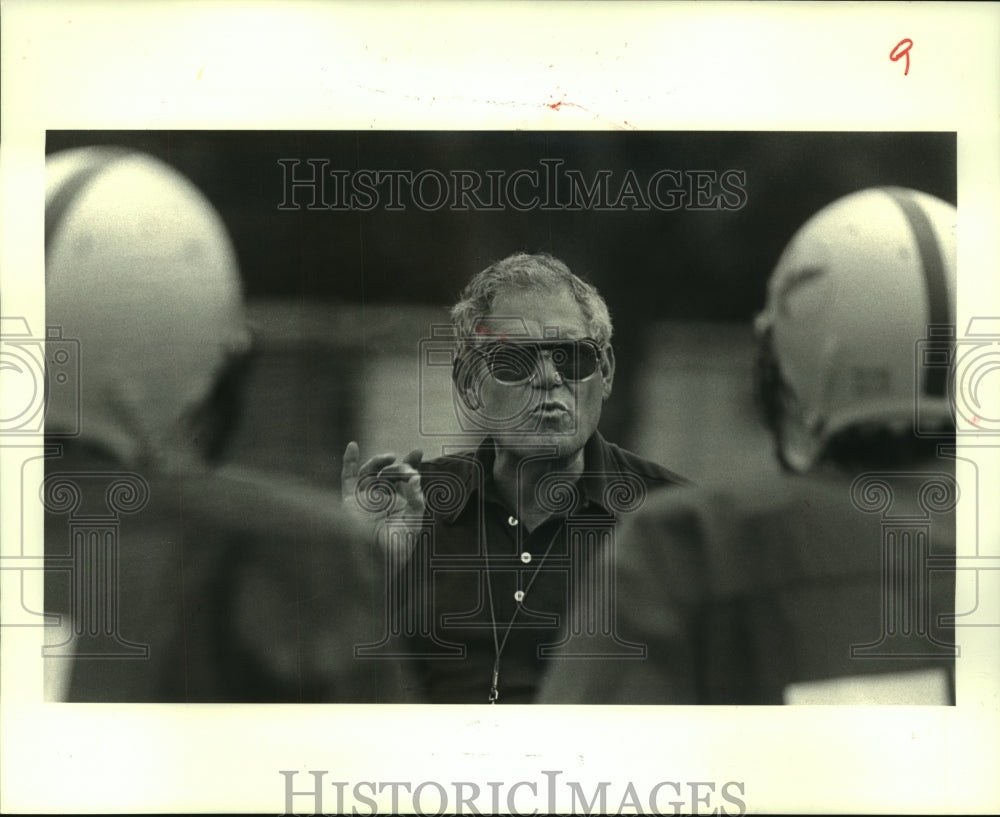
[328, 373]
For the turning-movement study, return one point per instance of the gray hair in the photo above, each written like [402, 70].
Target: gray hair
[540, 271]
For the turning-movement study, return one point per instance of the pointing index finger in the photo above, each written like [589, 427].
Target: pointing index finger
[352, 454]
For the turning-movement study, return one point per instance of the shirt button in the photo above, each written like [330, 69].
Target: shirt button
[512, 520]
[526, 557]
[519, 595]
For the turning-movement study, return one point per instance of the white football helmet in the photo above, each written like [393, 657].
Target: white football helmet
[858, 289]
[140, 270]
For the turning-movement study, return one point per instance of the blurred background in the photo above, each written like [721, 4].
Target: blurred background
[347, 305]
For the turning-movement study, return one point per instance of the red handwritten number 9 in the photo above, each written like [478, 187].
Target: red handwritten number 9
[902, 49]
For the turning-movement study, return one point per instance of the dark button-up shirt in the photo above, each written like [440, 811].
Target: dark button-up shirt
[479, 584]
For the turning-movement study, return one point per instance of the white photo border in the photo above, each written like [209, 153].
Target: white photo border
[567, 66]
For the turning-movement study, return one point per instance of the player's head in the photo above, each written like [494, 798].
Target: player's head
[140, 270]
[534, 358]
[852, 297]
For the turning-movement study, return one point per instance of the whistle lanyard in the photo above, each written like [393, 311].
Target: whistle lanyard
[498, 643]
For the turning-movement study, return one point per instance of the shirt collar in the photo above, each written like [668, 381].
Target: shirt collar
[475, 472]
[599, 467]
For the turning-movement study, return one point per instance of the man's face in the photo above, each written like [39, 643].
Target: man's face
[523, 398]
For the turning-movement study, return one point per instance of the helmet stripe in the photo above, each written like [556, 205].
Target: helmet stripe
[932, 263]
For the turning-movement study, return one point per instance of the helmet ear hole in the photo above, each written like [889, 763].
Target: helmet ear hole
[795, 447]
[798, 447]
[767, 383]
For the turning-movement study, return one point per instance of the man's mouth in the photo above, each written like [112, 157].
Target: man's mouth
[552, 407]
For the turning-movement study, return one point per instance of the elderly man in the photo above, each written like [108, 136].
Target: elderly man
[488, 586]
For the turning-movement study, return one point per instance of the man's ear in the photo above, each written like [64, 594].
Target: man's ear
[608, 370]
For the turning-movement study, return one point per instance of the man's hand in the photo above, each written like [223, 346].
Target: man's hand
[383, 489]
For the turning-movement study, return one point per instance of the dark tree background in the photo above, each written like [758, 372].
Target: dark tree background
[679, 264]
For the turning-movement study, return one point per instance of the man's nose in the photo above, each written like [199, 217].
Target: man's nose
[549, 375]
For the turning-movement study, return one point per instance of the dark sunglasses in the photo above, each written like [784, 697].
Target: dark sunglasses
[514, 363]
